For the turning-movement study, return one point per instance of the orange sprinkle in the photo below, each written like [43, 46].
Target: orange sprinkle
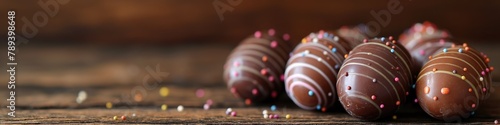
[445, 91]
[452, 45]
[248, 101]
[430, 57]
[466, 48]
[304, 40]
[330, 46]
[264, 58]
[492, 68]
[434, 69]
[387, 43]
[470, 89]
[487, 60]
[427, 90]
[397, 103]
[393, 41]
[346, 55]
[323, 109]
[435, 98]
[465, 44]
[465, 69]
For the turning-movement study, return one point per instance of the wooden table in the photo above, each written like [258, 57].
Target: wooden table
[45, 105]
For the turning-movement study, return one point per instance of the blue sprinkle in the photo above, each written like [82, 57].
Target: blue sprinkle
[382, 39]
[460, 50]
[392, 50]
[318, 107]
[413, 86]
[334, 49]
[311, 93]
[273, 107]
[472, 113]
[445, 50]
[336, 66]
[325, 35]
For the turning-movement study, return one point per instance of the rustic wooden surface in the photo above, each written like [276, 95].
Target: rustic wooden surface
[44, 105]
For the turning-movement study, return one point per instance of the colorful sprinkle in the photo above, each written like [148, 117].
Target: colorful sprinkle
[123, 117]
[470, 89]
[318, 107]
[271, 32]
[274, 94]
[264, 112]
[454, 71]
[164, 107]
[255, 91]
[463, 77]
[374, 80]
[445, 91]
[435, 98]
[273, 107]
[206, 106]
[427, 89]
[228, 111]
[392, 50]
[335, 38]
[460, 50]
[236, 74]
[330, 94]
[422, 52]
[263, 71]
[348, 87]
[109, 105]
[434, 69]
[396, 79]
[481, 79]
[496, 121]
[416, 100]
[483, 73]
[473, 105]
[282, 77]
[180, 108]
[200, 93]
[248, 101]
[445, 50]
[310, 93]
[233, 113]
[374, 97]
[288, 116]
[115, 117]
[164, 90]
[382, 106]
[286, 37]
[257, 34]
[274, 44]
[413, 86]
[346, 74]
[315, 40]
[271, 78]
[264, 58]
[398, 103]
[394, 117]
[484, 89]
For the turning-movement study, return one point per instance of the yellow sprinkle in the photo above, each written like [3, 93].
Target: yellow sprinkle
[164, 107]
[304, 40]
[164, 91]
[394, 117]
[115, 117]
[288, 116]
[109, 105]
[463, 77]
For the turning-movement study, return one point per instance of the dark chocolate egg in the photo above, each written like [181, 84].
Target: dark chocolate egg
[254, 70]
[452, 85]
[423, 40]
[375, 79]
[311, 72]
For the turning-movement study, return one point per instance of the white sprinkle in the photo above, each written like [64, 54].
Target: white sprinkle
[264, 112]
[329, 94]
[336, 38]
[306, 52]
[265, 116]
[229, 110]
[315, 40]
[180, 108]
[324, 53]
[481, 79]
[133, 115]
[82, 96]
[319, 59]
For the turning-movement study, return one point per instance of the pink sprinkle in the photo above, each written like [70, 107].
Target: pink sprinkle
[282, 77]
[200, 93]
[396, 79]
[365, 40]
[271, 32]
[236, 63]
[484, 89]
[422, 52]
[206, 106]
[276, 116]
[257, 34]
[483, 73]
[210, 102]
[274, 44]
[320, 35]
[416, 100]
[263, 71]
[233, 113]
[390, 38]
[473, 105]
[236, 74]
[487, 69]
[381, 106]
[255, 91]
[271, 78]
[286, 37]
[274, 94]
[441, 41]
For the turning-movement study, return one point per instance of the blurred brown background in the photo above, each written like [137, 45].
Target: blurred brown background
[108, 43]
